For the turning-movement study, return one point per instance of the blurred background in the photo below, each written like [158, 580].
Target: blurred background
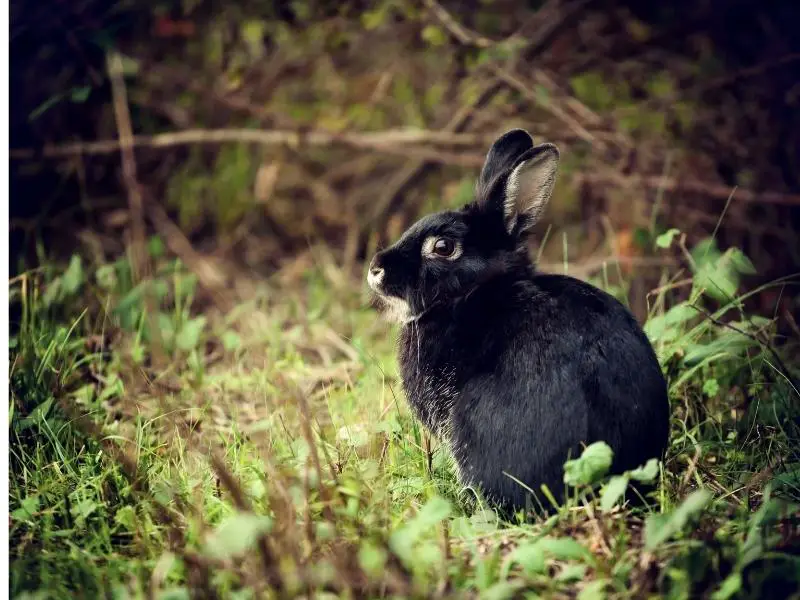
[265, 129]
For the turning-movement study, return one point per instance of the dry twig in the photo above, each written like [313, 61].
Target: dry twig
[211, 279]
[458, 31]
[125, 146]
[393, 141]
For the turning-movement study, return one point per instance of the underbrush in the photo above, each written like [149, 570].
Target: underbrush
[165, 447]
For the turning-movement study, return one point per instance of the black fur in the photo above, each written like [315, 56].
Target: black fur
[517, 369]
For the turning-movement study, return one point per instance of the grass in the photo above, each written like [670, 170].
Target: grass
[164, 448]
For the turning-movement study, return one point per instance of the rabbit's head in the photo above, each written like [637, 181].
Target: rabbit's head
[446, 255]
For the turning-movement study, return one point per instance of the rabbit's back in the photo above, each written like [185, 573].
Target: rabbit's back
[523, 371]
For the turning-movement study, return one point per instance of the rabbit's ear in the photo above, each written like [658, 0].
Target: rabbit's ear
[500, 159]
[529, 186]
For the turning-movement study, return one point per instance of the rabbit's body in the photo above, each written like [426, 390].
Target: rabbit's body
[515, 369]
[576, 369]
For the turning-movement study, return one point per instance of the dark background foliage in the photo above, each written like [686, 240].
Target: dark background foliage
[707, 90]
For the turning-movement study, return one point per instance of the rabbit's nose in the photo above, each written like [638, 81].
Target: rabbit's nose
[376, 272]
[375, 276]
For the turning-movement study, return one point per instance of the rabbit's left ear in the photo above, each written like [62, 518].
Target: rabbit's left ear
[503, 155]
[529, 186]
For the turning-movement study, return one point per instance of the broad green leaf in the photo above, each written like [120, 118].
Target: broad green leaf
[565, 549]
[80, 94]
[592, 465]
[186, 285]
[137, 352]
[666, 327]
[372, 19]
[530, 557]
[83, 509]
[740, 262]
[126, 517]
[705, 251]
[231, 341]
[427, 553]
[502, 590]
[155, 247]
[717, 273]
[661, 527]
[711, 387]
[435, 510]
[665, 239]
[434, 36]
[189, 335]
[719, 283]
[53, 292]
[84, 394]
[372, 558]
[236, 535]
[594, 590]
[403, 539]
[647, 472]
[159, 288]
[37, 415]
[106, 276]
[728, 343]
[613, 491]
[27, 508]
[571, 573]
[73, 277]
[113, 388]
[131, 300]
[769, 514]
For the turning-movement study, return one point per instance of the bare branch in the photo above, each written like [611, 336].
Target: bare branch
[209, 277]
[677, 185]
[393, 141]
[456, 29]
[125, 146]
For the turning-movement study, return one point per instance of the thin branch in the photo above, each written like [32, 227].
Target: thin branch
[456, 29]
[139, 258]
[125, 147]
[209, 277]
[392, 141]
[699, 187]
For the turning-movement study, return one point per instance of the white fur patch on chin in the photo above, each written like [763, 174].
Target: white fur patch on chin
[396, 309]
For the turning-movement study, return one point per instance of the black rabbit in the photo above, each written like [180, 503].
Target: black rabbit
[515, 369]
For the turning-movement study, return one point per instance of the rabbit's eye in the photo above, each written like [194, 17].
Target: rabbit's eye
[444, 247]
[441, 247]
